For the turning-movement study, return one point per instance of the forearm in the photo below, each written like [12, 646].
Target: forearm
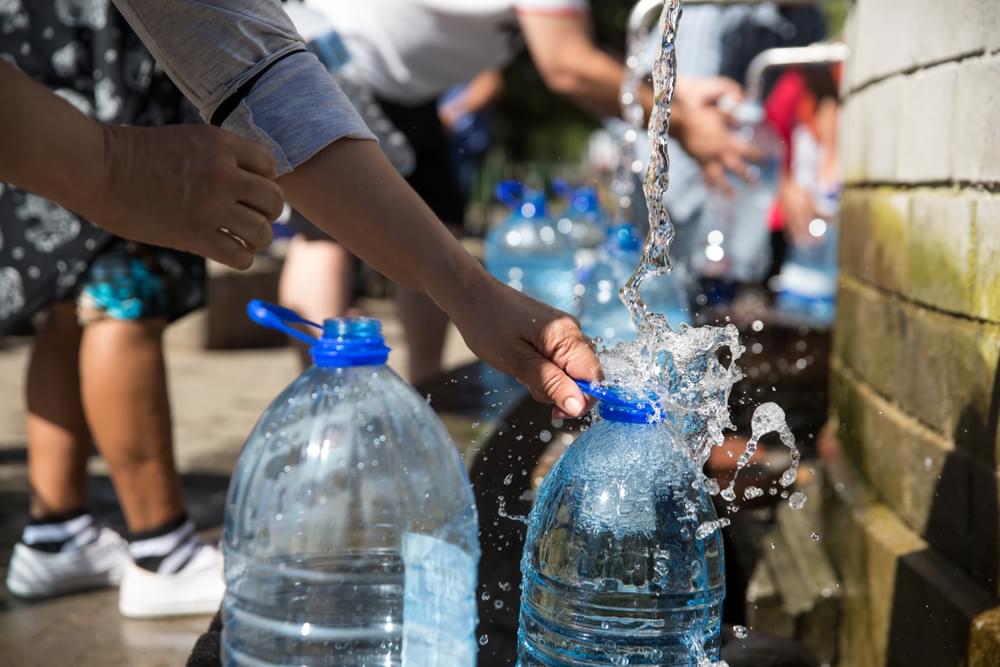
[37, 126]
[350, 191]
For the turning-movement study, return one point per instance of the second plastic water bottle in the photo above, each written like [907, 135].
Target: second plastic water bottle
[531, 255]
[350, 531]
[615, 569]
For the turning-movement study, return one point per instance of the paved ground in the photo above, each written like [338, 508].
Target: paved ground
[217, 397]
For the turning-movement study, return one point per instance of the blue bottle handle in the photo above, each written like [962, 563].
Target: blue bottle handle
[618, 405]
[277, 317]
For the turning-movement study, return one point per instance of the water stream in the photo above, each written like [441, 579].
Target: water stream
[690, 369]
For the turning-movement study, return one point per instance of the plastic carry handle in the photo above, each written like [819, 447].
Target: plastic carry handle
[277, 317]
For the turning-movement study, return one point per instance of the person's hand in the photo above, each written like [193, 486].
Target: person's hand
[706, 135]
[701, 91]
[195, 188]
[540, 346]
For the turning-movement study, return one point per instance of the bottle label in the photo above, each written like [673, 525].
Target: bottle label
[439, 604]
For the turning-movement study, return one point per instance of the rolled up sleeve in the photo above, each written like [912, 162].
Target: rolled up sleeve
[214, 49]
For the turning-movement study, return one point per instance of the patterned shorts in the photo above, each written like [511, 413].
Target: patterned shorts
[121, 285]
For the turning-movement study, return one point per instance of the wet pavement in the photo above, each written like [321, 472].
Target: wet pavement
[217, 397]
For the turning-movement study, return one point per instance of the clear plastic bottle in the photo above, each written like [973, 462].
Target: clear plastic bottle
[807, 284]
[350, 530]
[602, 313]
[584, 221]
[617, 567]
[735, 237]
[530, 254]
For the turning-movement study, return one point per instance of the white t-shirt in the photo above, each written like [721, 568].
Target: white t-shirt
[412, 51]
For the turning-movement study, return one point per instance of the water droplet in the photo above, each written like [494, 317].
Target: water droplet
[508, 479]
[797, 500]
[483, 640]
[815, 537]
[740, 631]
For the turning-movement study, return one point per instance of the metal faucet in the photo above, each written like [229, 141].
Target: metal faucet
[820, 53]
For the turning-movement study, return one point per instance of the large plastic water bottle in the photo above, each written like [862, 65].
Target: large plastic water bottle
[529, 253]
[735, 237]
[350, 529]
[618, 568]
[602, 313]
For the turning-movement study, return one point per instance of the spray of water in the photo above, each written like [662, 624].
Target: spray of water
[690, 371]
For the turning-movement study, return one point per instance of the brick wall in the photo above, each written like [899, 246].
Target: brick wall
[912, 520]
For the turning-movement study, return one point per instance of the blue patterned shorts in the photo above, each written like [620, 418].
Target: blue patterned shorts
[121, 285]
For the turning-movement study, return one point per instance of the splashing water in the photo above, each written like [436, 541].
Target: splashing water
[684, 369]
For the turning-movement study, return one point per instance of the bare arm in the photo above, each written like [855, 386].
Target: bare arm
[569, 62]
[172, 187]
[485, 89]
[351, 191]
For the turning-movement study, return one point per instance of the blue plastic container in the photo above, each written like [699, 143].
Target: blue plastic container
[529, 253]
[351, 535]
[614, 570]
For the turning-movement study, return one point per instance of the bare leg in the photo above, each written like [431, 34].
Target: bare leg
[316, 281]
[58, 439]
[123, 382]
[425, 325]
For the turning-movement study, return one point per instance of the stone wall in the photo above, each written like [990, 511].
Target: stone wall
[912, 508]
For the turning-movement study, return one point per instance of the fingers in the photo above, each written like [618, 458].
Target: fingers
[225, 249]
[715, 176]
[261, 194]
[548, 383]
[252, 157]
[250, 227]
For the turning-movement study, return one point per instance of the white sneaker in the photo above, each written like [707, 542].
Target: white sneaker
[39, 574]
[196, 589]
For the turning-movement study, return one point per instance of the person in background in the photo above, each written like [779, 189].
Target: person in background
[467, 114]
[96, 373]
[720, 41]
[803, 108]
[411, 52]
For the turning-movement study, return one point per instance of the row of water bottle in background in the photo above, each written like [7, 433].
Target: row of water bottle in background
[578, 259]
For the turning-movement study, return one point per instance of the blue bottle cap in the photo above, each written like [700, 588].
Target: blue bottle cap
[618, 405]
[350, 341]
[534, 205]
[585, 201]
[510, 193]
[346, 341]
[625, 238]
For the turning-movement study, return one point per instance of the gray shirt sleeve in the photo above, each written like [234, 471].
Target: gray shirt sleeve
[210, 48]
